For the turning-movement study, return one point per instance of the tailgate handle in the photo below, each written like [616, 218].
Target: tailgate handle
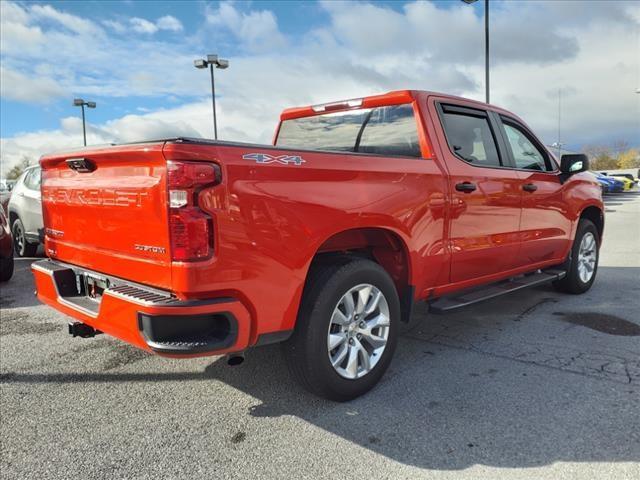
[82, 165]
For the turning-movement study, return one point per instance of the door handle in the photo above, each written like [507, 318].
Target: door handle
[529, 187]
[466, 187]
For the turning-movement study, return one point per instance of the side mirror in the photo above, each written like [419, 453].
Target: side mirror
[574, 163]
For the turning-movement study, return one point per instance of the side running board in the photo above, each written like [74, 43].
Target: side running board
[480, 294]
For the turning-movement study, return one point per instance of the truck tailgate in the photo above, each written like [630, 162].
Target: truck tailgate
[106, 210]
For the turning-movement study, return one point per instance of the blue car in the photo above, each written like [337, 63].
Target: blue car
[609, 184]
[605, 185]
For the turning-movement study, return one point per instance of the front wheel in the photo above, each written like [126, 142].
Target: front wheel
[582, 264]
[346, 331]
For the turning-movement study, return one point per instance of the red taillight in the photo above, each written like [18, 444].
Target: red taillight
[190, 228]
[190, 234]
[192, 174]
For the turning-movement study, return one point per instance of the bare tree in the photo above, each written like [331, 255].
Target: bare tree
[18, 168]
[619, 146]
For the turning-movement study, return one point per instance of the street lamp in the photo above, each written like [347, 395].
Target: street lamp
[486, 44]
[211, 61]
[78, 102]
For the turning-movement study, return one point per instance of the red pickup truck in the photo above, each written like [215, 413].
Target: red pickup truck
[323, 241]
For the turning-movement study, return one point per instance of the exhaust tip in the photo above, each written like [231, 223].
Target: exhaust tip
[235, 359]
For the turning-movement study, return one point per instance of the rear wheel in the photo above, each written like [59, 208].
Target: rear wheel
[582, 264]
[346, 331]
[21, 246]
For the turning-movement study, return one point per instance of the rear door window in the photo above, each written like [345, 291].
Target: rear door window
[389, 131]
[470, 136]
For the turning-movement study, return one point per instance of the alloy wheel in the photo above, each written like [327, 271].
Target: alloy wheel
[18, 238]
[358, 331]
[587, 256]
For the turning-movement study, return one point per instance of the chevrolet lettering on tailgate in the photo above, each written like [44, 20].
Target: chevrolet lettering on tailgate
[94, 196]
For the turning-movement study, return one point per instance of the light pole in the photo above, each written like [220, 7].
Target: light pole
[211, 61]
[78, 102]
[559, 144]
[486, 45]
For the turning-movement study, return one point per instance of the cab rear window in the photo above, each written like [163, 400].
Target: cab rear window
[389, 131]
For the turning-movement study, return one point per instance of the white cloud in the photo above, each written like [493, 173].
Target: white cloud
[16, 35]
[448, 35]
[29, 89]
[141, 25]
[114, 25]
[170, 23]
[72, 22]
[13, 13]
[90, 61]
[257, 29]
[598, 101]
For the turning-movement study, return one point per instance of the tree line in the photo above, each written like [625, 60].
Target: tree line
[617, 155]
[15, 171]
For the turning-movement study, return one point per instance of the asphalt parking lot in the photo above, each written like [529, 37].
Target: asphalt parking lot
[533, 385]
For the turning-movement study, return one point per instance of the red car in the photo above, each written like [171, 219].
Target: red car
[323, 241]
[6, 249]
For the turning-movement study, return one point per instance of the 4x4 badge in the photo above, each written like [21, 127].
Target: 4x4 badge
[267, 158]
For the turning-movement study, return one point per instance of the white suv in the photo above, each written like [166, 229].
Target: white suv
[25, 213]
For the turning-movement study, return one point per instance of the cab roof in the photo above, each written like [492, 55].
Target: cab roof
[396, 97]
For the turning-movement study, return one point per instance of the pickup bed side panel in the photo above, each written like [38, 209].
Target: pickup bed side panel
[271, 218]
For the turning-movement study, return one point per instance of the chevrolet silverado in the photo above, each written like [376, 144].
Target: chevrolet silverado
[323, 241]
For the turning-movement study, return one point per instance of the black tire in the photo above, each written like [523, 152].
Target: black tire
[21, 246]
[572, 283]
[307, 350]
[6, 268]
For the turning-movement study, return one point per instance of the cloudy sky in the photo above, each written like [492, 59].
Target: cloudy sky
[135, 59]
